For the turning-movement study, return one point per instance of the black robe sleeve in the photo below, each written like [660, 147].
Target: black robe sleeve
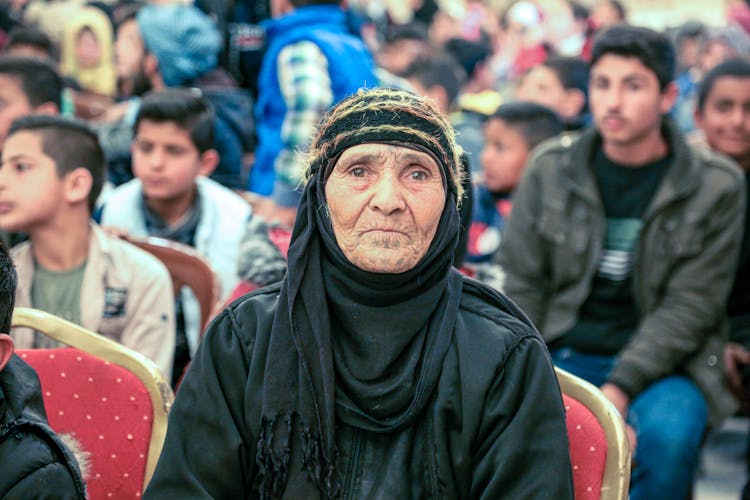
[522, 445]
[208, 452]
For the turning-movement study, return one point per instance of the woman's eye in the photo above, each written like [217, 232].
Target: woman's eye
[23, 167]
[419, 175]
[357, 172]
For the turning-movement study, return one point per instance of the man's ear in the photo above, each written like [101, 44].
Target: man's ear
[151, 67]
[209, 160]
[6, 349]
[698, 117]
[78, 183]
[668, 97]
[573, 103]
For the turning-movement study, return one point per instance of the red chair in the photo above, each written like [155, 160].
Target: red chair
[599, 450]
[113, 400]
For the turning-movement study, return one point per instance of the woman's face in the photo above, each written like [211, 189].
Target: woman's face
[385, 203]
[88, 51]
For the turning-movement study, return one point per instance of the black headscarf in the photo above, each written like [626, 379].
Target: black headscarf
[366, 348]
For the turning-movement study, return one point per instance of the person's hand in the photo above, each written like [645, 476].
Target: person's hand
[621, 401]
[735, 356]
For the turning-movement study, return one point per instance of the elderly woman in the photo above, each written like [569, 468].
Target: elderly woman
[374, 370]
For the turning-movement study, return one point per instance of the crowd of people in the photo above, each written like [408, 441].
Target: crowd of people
[469, 194]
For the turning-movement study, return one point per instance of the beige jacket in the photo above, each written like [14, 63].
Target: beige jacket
[126, 296]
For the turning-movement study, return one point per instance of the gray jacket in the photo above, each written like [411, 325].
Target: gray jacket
[684, 263]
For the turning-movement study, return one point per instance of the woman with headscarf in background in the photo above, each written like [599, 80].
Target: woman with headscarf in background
[374, 369]
[87, 51]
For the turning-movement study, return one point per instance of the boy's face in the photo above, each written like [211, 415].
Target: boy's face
[129, 50]
[503, 157]
[31, 192]
[166, 160]
[626, 100]
[542, 86]
[725, 117]
[13, 104]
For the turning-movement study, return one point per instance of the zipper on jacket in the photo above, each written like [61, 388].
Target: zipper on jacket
[353, 465]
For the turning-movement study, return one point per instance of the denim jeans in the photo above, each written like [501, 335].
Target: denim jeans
[669, 418]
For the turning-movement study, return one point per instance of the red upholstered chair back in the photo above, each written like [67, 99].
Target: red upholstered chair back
[599, 451]
[106, 408]
[113, 400]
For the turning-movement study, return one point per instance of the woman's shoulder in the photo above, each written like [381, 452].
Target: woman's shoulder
[489, 315]
[248, 319]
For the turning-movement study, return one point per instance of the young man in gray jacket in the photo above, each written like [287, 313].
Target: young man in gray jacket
[622, 247]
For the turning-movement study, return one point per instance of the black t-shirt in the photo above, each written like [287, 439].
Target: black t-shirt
[608, 317]
[739, 300]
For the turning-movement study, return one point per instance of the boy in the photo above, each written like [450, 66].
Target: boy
[723, 115]
[27, 86]
[50, 177]
[621, 248]
[172, 196]
[509, 136]
[33, 458]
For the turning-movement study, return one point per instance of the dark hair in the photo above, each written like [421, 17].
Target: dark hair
[653, 49]
[71, 144]
[573, 73]
[414, 30]
[536, 123]
[733, 67]
[8, 283]
[469, 53]
[304, 3]
[38, 79]
[581, 12]
[186, 108]
[25, 35]
[437, 69]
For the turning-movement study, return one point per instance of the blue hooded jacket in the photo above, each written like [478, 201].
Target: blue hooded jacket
[348, 57]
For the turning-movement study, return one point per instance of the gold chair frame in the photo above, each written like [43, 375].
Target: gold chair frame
[616, 480]
[109, 350]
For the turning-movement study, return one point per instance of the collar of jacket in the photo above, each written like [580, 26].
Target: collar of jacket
[681, 178]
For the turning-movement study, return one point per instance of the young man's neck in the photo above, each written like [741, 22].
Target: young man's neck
[171, 210]
[647, 150]
[61, 247]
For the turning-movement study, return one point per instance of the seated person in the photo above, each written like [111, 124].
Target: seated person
[30, 42]
[172, 197]
[723, 115]
[509, 136]
[375, 369]
[51, 175]
[621, 247]
[33, 459]
[28, 85]
[561, 83]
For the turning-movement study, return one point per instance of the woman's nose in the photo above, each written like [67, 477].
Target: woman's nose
[388, 194]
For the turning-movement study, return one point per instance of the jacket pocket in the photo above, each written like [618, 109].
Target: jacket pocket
[677, 238]
[567, 240]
